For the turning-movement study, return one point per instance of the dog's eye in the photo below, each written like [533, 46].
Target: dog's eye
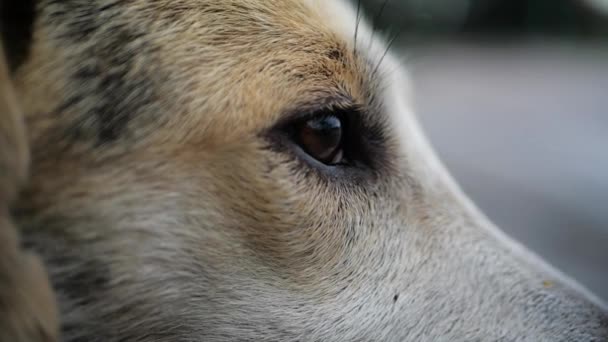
[321, 137]
[341, 142]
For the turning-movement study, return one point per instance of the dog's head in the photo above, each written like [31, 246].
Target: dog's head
[243, 170]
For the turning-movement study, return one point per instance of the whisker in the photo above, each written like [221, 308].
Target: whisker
[388, 48]
[380, 12]
[357, 23]
[401, 60]
[375, 20]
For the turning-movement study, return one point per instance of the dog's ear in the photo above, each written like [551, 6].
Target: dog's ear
[27, 304]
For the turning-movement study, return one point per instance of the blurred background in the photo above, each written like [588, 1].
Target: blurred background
[513, 95]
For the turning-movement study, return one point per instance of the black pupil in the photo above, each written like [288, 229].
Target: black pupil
[322, 137]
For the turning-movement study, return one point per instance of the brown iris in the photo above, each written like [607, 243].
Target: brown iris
[321, 138]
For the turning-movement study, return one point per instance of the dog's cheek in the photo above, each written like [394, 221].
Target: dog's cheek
[283, 212]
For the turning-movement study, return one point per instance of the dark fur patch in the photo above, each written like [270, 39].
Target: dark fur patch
[336, 54]
[77, 273]
[16, 24]
[113, 96]
[108, 92]
[85, 283]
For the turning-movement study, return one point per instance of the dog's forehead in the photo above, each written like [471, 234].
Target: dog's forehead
[208, 69]
[251, 62]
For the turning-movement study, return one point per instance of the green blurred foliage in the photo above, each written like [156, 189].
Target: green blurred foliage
[489, 17]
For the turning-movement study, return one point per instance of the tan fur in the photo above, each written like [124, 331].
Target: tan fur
[166, 210]
[27, 305]
[13, 146]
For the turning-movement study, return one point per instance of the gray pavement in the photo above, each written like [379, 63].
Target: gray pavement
[524, 129]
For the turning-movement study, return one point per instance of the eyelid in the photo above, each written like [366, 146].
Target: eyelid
[311, 109]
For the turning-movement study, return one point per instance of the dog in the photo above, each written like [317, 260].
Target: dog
[242, 170]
